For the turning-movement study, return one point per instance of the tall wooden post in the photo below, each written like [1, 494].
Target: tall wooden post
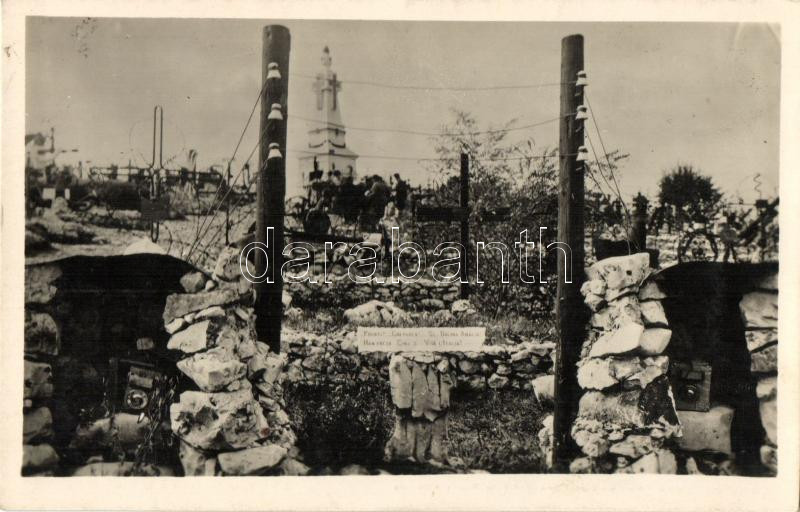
[271, 186]
[464, 204]
[569, 307]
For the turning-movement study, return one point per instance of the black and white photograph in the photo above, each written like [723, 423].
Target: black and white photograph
[379, 248]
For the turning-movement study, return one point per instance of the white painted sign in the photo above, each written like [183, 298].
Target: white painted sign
[420, 339]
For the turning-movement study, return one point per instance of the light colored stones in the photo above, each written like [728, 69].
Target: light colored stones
[218, 421]
[759, 338]
[38, 457]
[635, 446]
[38, 380]
[212, 312]
[760, 309]
[634, 371]
[769, 458]
[125, 468]
[40, 282]
[400, 382]
[42, 334]
[213, 370]
[768, 409]
[37, 425]
[621, 271]
[181, 304]
[581, 465]
[192, 339]
[625, 339]
[193, 282]
[293, 467]
[175, 326]
[662, 461]
[251, 461]
[377, 313]
[143, 246]
[496, 381]
[195, 462]
[764, 360]
[654, 341]
[227, 267]
[122, 429]
[706, 431]
[266, 364]
[767, 388]
[593, 444]
[544, 388]
[653, 313]
[650, 291]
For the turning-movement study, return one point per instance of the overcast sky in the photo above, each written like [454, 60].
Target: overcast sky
[704, 94]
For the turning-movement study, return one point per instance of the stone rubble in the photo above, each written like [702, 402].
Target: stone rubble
[759, 310]
[235, 422]
[626, 419]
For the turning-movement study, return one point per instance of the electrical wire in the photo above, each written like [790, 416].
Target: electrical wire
[434, 87]
[433, 134]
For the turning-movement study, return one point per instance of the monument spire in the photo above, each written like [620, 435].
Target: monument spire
[326, 135]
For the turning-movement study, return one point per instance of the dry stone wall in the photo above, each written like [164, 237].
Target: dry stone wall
[760, 314]
[626, 420]
[234, 422]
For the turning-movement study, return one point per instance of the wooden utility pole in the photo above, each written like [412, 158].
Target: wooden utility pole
[569, 307]
[271, 186]
[464, 204]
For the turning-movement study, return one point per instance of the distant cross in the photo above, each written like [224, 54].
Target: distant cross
[327, 82]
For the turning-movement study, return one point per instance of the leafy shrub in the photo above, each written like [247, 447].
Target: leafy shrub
[341, 424]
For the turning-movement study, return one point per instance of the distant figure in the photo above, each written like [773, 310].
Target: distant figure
[378, 196]
[729, 237]
[400, 193]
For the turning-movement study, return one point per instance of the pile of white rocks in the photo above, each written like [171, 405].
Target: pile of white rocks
[235, 422]
[420, 386]
[760, 314]
[626, 418]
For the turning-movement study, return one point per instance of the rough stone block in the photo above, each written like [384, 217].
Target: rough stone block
[543, 388]
[760, 309]
[767, 388]
[227, 267]
[37, 425]
[635, 446]
[123, 430]
[620, 408]
[251, 461]
[622, 340]
[769, 419]
[40, 283]
[125, 468]
[769, 458]
[764, 360]
[193, 282]
[42, 334]
[650, 291]
[759, 338]
[196, 462]
[634, 371]
[654, 341]
[38, 457]
[192, 339]
[213, 370]
[653, 313]
[219, 421]
[620, 271]
[38, 380]
[706, 431]
[181, 304]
